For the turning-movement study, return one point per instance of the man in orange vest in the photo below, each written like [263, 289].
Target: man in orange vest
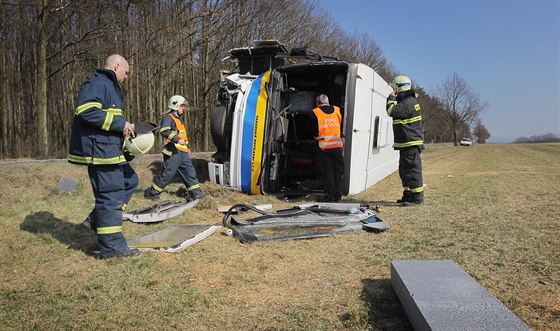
[326, 121]
[175, 153]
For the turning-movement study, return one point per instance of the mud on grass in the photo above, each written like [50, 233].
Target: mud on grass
[493, 209]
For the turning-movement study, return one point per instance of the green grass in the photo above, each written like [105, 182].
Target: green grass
[493, 209]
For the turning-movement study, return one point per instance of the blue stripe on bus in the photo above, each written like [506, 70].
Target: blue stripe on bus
[247, 136]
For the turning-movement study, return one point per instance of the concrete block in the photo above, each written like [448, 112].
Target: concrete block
[440, 295]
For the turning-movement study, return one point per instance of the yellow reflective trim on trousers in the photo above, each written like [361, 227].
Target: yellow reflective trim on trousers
[408, 120]
[195, 186]
[95, 160]
[108, 121]
[417, 189]
[157, 188]
[410, 143]
[86, 106]
[109, 229]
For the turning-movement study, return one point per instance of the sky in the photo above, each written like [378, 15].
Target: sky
[506, 50]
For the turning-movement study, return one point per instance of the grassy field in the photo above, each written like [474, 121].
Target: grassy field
[492, 209]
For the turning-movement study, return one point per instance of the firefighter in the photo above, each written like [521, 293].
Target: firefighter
[98, 130]
[175, 153]
[403, 107]
[326, 121]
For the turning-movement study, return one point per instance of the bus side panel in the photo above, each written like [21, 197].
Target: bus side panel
[382, 158]
[360, 130]
[236, 136]
[371, 156]
[253, 135]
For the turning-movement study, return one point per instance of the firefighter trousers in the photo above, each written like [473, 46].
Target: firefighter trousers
[332, 169]
[410, 171]
[178, 162]
[113, 186]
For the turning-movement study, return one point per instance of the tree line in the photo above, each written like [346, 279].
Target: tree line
[49, 47]
[538, 139]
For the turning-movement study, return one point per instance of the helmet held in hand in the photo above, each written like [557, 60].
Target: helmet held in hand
[140, 144]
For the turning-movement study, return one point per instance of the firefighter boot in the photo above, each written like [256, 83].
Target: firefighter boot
[131, 252]
[197, 194]
[414, 199]
[151, 194]
[406, 197]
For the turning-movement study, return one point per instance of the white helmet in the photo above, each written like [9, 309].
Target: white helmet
[140, 144]
[176, 101]
[401, 83]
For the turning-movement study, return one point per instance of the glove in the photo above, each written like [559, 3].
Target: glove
[128, 156]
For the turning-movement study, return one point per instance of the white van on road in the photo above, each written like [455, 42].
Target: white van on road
[260, 123]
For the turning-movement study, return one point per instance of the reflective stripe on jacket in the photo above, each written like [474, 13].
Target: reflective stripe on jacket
[329, 128]
[407, 120]
[172, 130]
[98, 123]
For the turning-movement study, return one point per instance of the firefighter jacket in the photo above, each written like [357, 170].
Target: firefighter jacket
[172, 129]
[328, 121]
[98, 123]
[407, 119]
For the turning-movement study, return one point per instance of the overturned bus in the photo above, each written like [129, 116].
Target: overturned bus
[260, 123]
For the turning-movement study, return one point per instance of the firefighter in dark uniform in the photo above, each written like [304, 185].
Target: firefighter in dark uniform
[98, 131]
[405, 110]
[175, 153]
[326, 121]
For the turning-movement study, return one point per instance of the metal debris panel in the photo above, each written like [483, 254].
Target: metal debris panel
[303, 222]
[174, 238]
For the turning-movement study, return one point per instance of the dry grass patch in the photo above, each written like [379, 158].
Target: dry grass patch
[493, 209]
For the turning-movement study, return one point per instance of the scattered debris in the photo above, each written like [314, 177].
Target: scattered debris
[303, 222]
[174, 238]
[225, 209]
[160, 211]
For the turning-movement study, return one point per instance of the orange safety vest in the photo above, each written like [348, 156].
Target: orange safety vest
[329, 128]
[181, 133]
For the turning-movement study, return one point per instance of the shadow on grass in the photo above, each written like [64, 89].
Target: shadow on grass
[385, 310]
[385, 203]
[75, 236]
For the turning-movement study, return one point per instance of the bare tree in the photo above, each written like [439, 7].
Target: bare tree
[173, 47]
[461, 106]
[4, 88]
[432, 117]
